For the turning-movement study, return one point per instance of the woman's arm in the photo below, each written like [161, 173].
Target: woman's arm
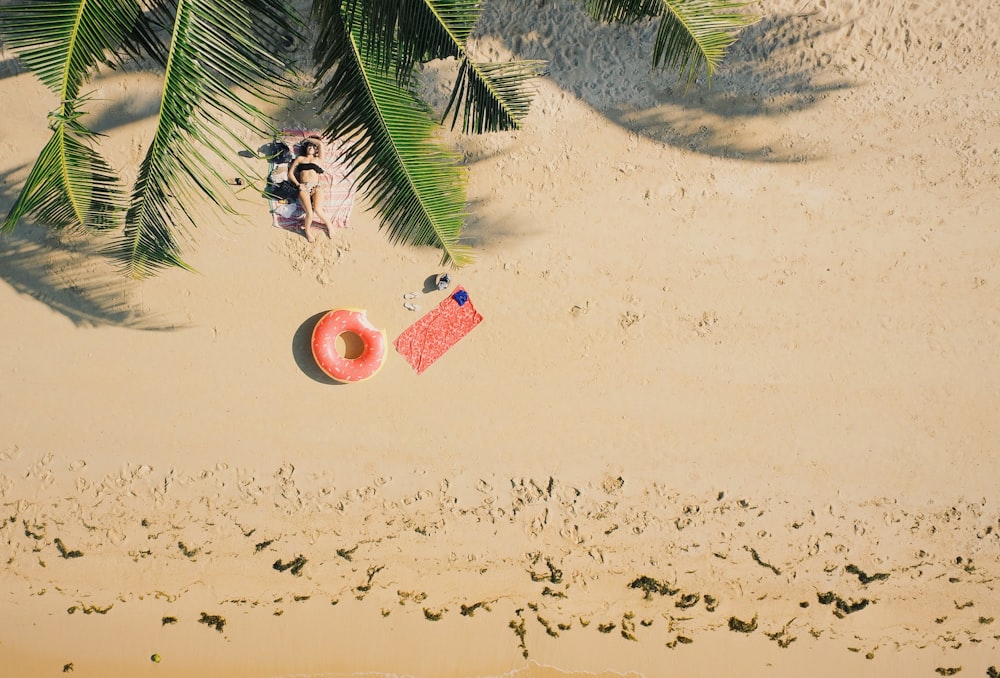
[319, 142]
[291, 171]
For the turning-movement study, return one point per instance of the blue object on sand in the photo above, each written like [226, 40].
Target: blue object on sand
[461, 297]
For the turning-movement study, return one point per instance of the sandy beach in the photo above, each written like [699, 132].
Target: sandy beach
[731, 410]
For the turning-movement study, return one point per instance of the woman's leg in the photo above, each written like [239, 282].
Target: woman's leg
[306, 200]
[317, 201]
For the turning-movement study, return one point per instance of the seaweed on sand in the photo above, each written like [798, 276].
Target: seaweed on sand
[853, 606]
[757, 559]
[367, 586]
[346, 553]
[430, 615]
[826, 598]
[606, 628]
[90, 609]
[36, 532]
[554, 575]
[295, 566]
[782, 637]
[262, 545]
[628, 626]
[866, 578]
[520, 630]
[688, 600]
[215, 621]
[649, 586]
[188, 553]
[842, 607]
[65, 553]
[470, 610]
[683, 640]
[547, 626]
[168, 620]
[948, 671]
[741, 626]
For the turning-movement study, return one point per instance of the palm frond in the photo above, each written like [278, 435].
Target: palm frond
[492, 97]
[623, 11]
[697, 33]
[394, 36]
[70, 184]
[62, 42]
[397, 35]
[693, 35]
[416, 184]
[217, 66]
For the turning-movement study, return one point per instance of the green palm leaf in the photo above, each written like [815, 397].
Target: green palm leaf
[62, 42]
[495, 95]
[692, 34]
[70, 184]
[416, 183]
[223, 55]
[397, 35]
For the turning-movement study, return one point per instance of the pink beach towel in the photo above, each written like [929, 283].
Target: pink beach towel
[339, 193]
[429, 338]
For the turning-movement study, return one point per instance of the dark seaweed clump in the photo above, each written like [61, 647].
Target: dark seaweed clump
[649, 586]
[688, 600]
[213, 620]
[262, 545]
[741, 626]
[866, 578]
[554, 576]
[757, 559]
[842, 606]
[520, 630]
[90, 609]
[949, 671]
[168, 620]
[63, 552]
[295, 566]
[470, 610]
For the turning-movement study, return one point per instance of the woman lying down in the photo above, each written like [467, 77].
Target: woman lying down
[304, 173]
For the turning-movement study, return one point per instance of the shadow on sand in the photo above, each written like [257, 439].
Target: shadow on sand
[611, 74]
[302, 351]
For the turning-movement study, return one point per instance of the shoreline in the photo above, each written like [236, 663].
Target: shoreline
[653, 570]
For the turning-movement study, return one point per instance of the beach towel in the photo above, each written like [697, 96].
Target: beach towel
[429, 338]
[339, 189]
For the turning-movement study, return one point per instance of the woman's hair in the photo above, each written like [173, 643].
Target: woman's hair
[307, 143]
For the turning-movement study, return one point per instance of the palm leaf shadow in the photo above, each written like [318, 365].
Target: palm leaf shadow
[698, 119]
[68, 273]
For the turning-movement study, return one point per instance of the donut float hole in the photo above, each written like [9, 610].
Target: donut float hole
[349, 345]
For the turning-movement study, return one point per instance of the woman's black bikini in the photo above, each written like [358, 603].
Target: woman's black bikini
[308, 166]
[309, 186]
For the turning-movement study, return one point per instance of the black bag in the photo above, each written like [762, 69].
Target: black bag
[285, 190]
[280, 153]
